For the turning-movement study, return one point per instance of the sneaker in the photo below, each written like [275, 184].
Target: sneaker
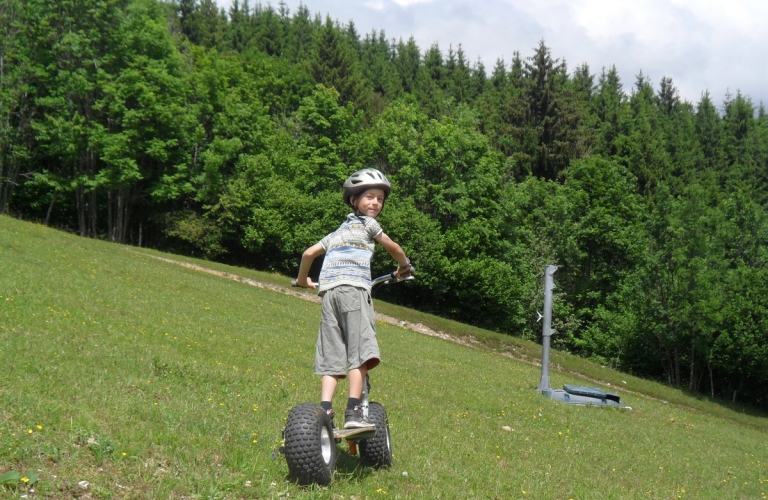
[353, 419]
[331, 414]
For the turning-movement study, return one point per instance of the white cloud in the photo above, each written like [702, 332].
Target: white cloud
[406, 3]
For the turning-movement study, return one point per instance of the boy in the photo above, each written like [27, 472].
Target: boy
[347, 334]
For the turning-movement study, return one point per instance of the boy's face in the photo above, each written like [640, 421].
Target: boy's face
[370, 202]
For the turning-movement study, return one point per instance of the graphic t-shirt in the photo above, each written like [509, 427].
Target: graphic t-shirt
[348, 252]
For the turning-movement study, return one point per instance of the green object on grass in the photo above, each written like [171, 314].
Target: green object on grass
[10, 478]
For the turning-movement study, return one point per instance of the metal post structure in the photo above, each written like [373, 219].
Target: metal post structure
[549, 285]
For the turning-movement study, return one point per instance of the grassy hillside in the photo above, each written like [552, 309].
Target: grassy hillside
[150, 380]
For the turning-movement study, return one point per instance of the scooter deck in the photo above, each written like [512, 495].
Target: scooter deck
[361, 433]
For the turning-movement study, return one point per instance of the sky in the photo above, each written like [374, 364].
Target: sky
[703, 45]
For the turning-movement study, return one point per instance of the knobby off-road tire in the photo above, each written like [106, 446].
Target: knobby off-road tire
[310, 449]
[377, 452]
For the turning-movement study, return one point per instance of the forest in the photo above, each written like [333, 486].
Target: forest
[227, 135]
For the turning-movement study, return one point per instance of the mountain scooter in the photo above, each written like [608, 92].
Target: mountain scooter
[310, 439]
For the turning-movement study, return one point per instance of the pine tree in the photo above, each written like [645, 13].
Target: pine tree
[669, 97]
[477, 80]
[335, 64]
[460, 77]
[709, 131]
[377, 65]
[407, 62]
[516, 70]
[434, 66]
[205, 23]
[546, 121]
[353, 38]
[270, 31]
[300, 35]
[677, 119]
[238, 31]
[607, 107]
[583, 82]
[739, 148]
[499, 78]
[641, 145]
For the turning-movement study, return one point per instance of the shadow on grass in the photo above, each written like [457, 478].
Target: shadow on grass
[735, 407]
[349, 468]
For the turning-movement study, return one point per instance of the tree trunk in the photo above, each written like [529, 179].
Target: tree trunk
[691, 383]
[127, 216]
[666, 365]
[93, 209]
[110, 221]
[698, 381]
[711, 380]
[6, 127]
[80, 201]
[6, 187]
[120, 214]
[123, 214]
[2, 183]
[50, 208]
[4, 195]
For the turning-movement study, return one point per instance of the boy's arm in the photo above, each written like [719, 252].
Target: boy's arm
[396, 252]
[309, 256]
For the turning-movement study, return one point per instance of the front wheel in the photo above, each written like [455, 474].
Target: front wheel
[310, 449]
[377, 452]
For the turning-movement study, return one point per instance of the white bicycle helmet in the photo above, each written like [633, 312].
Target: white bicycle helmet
[367, 178]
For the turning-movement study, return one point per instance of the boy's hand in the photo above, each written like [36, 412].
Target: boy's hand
[307, 258]
[405, 271]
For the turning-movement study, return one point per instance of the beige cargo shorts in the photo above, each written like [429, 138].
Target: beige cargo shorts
[347, 334]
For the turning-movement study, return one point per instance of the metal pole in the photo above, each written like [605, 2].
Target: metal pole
[549, 285]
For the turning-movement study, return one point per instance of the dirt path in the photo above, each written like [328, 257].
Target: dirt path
[383, 318]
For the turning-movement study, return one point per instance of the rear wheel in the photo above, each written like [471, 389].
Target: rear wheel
[310, 449]
[377, 452]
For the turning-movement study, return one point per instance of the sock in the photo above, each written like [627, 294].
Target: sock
[352, 403]
[327, 405]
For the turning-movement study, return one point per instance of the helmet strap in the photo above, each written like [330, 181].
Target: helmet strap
[353, 203]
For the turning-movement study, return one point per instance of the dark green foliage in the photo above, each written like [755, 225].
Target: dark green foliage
[335, 63]
[377, 66]
[542, 122]
[407, 63]
[228, 135]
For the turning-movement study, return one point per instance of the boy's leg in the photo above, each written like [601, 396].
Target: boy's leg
[357, 320]
[353, 416]
[328, 387]
[330, 353]
[356, 378]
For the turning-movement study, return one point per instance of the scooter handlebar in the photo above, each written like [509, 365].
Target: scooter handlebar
[381, 279]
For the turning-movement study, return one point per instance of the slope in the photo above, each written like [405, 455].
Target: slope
[150, 380]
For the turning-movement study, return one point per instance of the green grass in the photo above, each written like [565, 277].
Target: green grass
[150, 380]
